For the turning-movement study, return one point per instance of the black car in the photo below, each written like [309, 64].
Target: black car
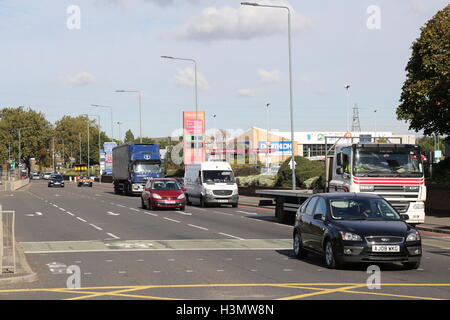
[56, 180]
[355, 227]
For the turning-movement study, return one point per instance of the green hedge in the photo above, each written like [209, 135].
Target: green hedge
[309, 174]
[257, 181]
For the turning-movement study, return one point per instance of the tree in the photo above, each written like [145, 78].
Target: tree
[35, 135]
[425, 93]
[129, 136]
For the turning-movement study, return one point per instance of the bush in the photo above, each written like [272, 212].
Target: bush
[245, 171]
[257, 181]
[441, 172]
[309, 174]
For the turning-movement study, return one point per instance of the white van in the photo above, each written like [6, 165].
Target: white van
[210, 183]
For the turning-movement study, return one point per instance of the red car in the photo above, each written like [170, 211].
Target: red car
[163, 193]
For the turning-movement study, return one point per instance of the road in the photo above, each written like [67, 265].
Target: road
[126, 252]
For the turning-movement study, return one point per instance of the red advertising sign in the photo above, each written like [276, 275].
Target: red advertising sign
[194, 136]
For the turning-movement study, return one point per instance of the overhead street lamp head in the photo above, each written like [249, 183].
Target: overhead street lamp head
[250, 4]
[167, 57]
[347, 86]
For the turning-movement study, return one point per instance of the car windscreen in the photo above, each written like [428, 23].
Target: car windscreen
[145, 167]
[212, 176]
[165, 185]
[57, 177]
[363, 209]
[405, 163]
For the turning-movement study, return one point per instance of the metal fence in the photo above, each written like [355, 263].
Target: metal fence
[7, 242]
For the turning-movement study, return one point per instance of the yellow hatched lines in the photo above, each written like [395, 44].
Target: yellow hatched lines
[317, 288]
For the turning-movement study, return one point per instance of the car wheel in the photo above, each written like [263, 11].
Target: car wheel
[299, 252]
[182, 208]
[234, 205]
[143, 205]
[202, 202]
[330, 256]
[90, 185]
[411, 265]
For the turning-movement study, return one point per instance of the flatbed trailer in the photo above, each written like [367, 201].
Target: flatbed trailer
[286, 201]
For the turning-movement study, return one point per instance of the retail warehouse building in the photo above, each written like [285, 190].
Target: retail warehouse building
[309, 144]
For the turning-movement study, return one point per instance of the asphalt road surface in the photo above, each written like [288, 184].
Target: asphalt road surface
[122, 251]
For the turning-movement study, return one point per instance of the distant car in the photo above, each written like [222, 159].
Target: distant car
[56, 180]
[355, 227]
[35, 176]
[163, 193]
[85, 181]
[47, 175]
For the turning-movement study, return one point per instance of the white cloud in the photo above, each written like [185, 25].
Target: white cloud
[240, 23]
[269, 76]
[246, 92]
[80, 79]
[186, 77]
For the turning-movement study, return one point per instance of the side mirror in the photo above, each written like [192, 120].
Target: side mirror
[339, 170]
[405, 217]
[319, 216]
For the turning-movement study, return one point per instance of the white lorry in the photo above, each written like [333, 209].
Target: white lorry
[391, 170]
[210, 182]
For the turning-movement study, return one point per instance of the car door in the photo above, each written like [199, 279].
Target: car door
[317, 226]
[305, 223]
[146, 193]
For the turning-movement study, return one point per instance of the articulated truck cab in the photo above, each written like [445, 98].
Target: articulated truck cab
[393, 171]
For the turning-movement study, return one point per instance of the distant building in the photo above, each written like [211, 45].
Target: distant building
[309, 144]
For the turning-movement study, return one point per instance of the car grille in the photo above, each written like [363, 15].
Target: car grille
[222, 192]
[384, 240]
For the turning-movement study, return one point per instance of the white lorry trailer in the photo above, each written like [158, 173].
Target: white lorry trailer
[391, 170]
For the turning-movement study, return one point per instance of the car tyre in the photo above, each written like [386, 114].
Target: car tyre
[299, 251]
[411, 265]
[234, 205]
[143, 205]
[330, 256]
[202, 202]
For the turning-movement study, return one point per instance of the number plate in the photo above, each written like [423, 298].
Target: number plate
[385, 248]
[223, 201]
[170, 202]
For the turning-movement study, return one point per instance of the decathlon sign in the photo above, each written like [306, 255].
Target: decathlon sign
[276, 147]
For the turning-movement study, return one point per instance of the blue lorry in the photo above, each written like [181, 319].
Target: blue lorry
[133, 164]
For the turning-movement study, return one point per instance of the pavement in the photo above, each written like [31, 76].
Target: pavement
[117, 250]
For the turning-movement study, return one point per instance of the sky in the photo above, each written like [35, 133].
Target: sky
[60, 56]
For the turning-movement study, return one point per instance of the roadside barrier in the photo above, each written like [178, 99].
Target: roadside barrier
[7, 242]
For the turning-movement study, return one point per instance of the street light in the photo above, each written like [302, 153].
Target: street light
[120, 134]
[99, 133]
[254, 4]
[267, 136]
[375, 111]
[20, 144]
[196, 91]
[347, 86]
[140, 110]
[101, 106]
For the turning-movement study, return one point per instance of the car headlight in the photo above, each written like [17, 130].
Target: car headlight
[181, 196]
[364, 188]
[413, 236]
[348, 236]
[156, 196]
[209, 192]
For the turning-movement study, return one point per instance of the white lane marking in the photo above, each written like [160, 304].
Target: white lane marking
[189, 270]
[198, 227]
[62, 209]
[108, 260]
[258, 259]
[96, 227]
[253, 270]
[220, 270]
[81, 219]
[227, 214]
[229, 235]
[156, 271]
[55, 206]
[87, 273]
[38, 213]
[119, 205]
[185, 213]
[134, 209]
[113, 214]
[229, 259]
[253, 213]
[140, 260]
[201, 209]
[29, 214]
[70, 213]
[171, 259]
[173, 220]
[112, 235]
[151, 214]
[122, 272]
[287, 270]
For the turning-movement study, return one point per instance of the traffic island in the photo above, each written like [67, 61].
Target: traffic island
[23, 274]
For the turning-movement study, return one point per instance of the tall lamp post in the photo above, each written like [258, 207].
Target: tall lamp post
[347, 86]
[120, 134]
[99, 133]
[20, 146]
[196, 92]
[267, 136]
[101, 106]
[140, 110]
[290, 81]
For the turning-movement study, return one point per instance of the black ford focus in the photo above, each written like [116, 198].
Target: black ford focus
[355, 227]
